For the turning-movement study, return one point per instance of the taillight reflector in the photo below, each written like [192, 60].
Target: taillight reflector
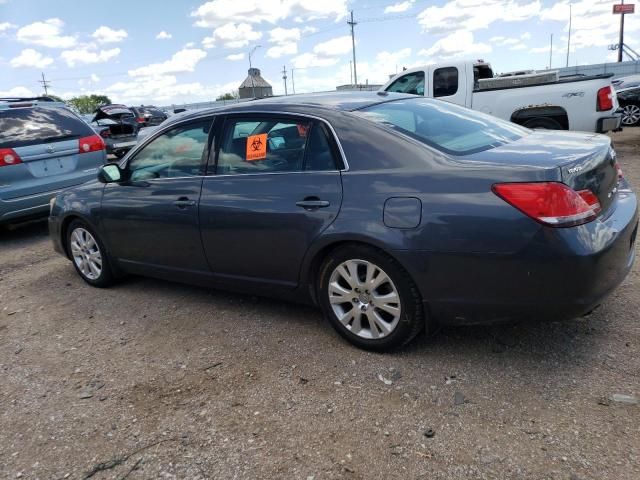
[9, 157]
[605, 99]
[90, 144]
[550, 203]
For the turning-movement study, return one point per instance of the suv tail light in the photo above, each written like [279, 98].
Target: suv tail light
[550, 203]
[605, 99]
[9, 157]
[90, 144]
[140, 119]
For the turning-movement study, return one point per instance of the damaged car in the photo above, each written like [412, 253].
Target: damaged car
[117, 126]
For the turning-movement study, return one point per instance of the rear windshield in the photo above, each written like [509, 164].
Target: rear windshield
[444, 126]
[154, 112]
[21, 127]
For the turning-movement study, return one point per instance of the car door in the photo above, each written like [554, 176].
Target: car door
[151, 217]
[277, 187]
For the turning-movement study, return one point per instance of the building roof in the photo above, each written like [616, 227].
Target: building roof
[254, 79]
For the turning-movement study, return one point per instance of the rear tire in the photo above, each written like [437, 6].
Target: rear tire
[369, 298]
[543, 123]
[88, 255]
[630, 115]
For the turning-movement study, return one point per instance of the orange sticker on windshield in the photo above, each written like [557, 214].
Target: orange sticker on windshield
[256, 147]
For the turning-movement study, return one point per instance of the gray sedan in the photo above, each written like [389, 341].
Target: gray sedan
[391, 213]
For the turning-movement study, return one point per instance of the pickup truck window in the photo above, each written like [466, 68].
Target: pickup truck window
[445, 81]
[410, 83]
[444, 126]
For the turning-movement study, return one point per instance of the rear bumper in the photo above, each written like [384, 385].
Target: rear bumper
[55, 235]
[563, 273]
[608, 124]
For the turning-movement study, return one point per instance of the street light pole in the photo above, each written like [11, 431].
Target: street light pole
[253, 87]
[569, 37]
[621, 41]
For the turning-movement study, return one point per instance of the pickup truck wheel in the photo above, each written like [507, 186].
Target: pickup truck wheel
[630, 115]
[543, 123]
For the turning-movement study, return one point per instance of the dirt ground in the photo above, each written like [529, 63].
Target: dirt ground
[157, 380]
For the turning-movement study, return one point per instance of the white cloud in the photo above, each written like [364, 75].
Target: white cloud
[474, 15]
[456, 45]
[324, 54]
[88, 54]
[232, 35]
[399, 7]
[219, 12]
[17, 92]
[163, 35]
[184, 60]
[525, 36]
[164, 90]
[4, 26]
[234, 57]
[539, 50]
[285, 40]
[46, 34]
[109, 35]
[31, 58]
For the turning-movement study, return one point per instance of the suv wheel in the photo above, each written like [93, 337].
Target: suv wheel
[88, 255]
[369, 298]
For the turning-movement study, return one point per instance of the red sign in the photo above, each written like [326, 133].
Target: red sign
[624, 8]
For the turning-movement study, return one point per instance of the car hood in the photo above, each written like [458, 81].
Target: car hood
[543, 149]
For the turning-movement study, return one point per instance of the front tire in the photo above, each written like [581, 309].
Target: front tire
[88, 255]
[369, 298]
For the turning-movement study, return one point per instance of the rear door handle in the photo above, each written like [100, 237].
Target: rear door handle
[309, 204]
[184, 202]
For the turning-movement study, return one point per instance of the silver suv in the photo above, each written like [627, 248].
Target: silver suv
[44, 148]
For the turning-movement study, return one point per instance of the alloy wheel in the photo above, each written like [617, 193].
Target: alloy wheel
[364, 299]
[86, 253]
[630, 115]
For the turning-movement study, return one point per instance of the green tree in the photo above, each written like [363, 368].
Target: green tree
[228, 96]
[89, 103]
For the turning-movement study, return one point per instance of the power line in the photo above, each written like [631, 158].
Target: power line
[352, 24]
[45, 84]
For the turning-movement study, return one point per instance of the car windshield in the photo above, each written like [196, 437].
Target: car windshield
[444, 126]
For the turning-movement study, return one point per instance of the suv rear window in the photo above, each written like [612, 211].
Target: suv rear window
[21, 127]
[154, 112]
[444, 126]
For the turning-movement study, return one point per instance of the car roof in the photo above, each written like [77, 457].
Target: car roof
[331, 101]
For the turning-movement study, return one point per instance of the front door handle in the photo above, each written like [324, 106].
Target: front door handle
[313, 203]
[184, 202]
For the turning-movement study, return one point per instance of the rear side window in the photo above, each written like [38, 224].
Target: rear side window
[410, 83]
[445, 81]
[21, 127]
[273, 145]
[444, 126]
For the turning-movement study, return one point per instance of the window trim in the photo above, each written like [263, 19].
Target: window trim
[433, 82]
[124, 164]
[332, 139]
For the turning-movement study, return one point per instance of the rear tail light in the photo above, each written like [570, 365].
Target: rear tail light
[105, 133]
[9, 157]
[550, 203]
[90, 144]
[605, 99]
[140, 120]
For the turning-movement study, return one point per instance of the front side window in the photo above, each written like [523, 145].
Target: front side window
[445, 81]
[273, 145]
[176, 153]
[446, 127]
[410, 83]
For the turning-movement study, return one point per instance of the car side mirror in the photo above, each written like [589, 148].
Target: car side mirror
[109, 173]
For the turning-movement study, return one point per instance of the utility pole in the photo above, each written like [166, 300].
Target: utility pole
[351, 72]
[621, 41]
[45, 84]
[569, 38]
[284, 77]
[353, 45]
[293, 82]
[551, 52]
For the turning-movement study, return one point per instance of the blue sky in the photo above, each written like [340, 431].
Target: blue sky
[167, 52]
